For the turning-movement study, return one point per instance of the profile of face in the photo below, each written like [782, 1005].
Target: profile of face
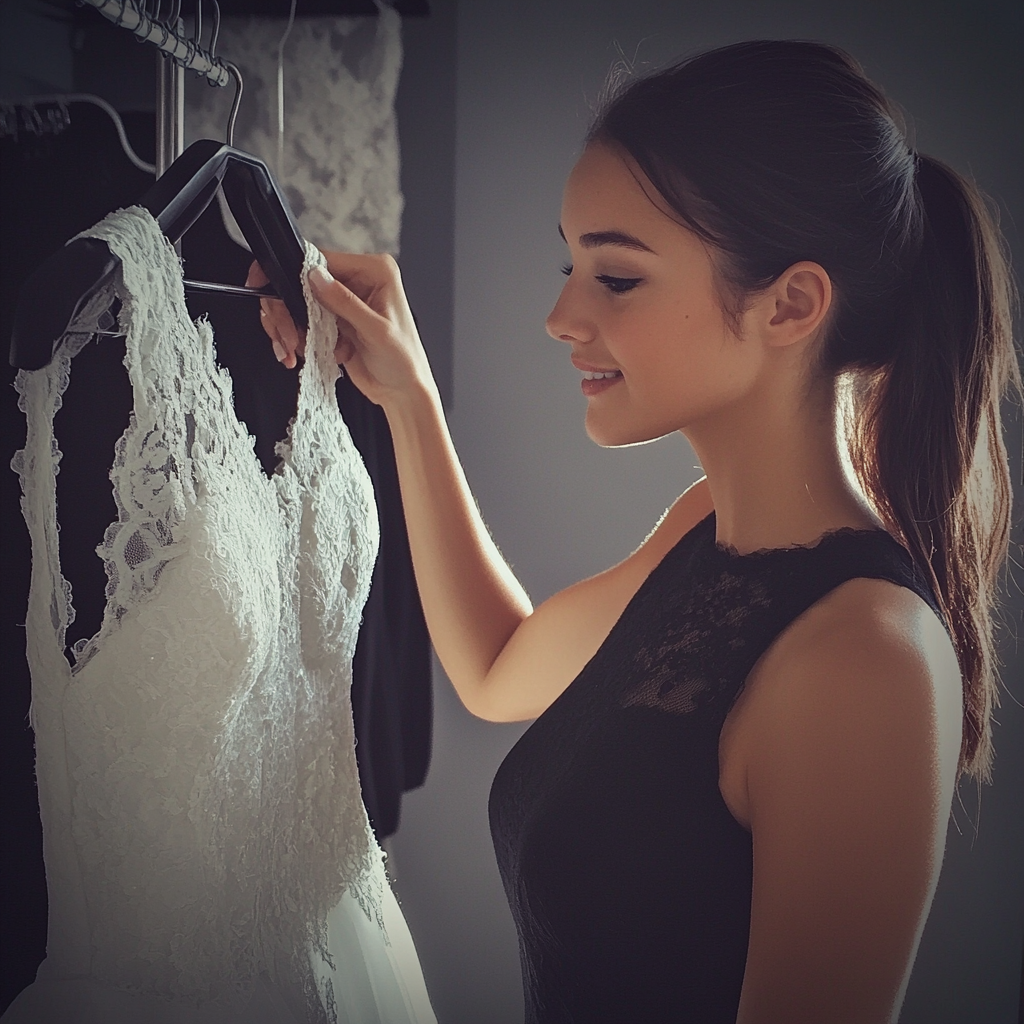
[640, 300]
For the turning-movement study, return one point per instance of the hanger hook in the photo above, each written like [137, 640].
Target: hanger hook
[238, 99]
[216, 28]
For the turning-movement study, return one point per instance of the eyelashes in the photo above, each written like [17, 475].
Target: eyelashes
[616, 285]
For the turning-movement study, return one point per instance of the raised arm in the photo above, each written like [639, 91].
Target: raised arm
[507, 661]
[472, 601]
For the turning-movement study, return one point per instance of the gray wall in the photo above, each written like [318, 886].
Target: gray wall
[561, 508]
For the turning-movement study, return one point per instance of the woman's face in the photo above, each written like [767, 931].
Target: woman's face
[639, 300]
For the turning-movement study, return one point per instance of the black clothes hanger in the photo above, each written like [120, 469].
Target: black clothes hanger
[57, 294]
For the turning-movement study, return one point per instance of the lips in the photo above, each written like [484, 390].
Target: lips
[591, 368]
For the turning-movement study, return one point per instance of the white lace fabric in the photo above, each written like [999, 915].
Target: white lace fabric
[339, 164]
[198, 785]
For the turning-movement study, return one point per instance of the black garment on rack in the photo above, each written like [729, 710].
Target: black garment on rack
[52, 187]
[629, 879]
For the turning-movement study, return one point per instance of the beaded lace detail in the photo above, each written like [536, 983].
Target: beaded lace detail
[197, 772]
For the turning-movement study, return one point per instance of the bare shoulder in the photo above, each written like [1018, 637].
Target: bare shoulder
[842, 761]
[884, 610]
[867, 639]
[875, 651]
[563, 633]
[870, 659]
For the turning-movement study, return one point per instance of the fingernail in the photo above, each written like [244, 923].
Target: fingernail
[279, 351]
[320, 276]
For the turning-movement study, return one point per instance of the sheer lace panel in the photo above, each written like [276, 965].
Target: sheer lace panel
[678, 668]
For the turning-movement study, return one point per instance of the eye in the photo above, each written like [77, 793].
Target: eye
[618, 285]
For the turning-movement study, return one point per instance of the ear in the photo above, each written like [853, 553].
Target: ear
[791, 310]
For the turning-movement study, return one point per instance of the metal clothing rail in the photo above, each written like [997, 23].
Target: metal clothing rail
[186, 52]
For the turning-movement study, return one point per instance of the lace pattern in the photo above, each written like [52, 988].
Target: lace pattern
[202, 811]
[677, 669]
[339, 164]
[712, 630]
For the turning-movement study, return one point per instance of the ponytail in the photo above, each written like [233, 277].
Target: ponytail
[927, 440]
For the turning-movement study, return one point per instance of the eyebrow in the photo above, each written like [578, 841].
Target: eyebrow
[592, 239]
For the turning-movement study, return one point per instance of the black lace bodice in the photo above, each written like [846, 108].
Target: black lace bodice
[628, 878]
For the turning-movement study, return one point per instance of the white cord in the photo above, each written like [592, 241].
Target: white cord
[280, 89]
[86, 97]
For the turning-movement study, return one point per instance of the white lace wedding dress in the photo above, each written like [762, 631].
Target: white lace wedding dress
[208, 856]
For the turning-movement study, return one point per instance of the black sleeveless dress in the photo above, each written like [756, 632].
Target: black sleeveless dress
[628, 878]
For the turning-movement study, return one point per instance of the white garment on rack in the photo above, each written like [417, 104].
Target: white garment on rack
[208, 856]
[341, 166]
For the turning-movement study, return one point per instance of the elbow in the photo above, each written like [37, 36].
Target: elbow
[490, 703]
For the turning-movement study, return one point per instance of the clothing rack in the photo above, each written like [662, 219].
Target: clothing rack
[179, 54]
[187, 53]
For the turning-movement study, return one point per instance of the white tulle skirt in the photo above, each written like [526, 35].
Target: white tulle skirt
[374, 983]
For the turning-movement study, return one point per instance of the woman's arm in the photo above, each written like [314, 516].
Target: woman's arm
[506, 661]
[850, 734]
[471, 599]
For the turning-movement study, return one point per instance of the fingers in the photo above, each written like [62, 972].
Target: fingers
[357, 268]
[359, 290]
[288, 342]
[280, 352]
[373, 277]
[343, 302]
[344, 350]
[276, 320]
[337, 297]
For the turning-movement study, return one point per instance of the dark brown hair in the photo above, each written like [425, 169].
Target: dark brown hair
[777, 151]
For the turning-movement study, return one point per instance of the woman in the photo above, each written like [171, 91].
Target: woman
[732, 805]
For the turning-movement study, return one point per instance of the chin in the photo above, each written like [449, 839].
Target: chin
[618, 435]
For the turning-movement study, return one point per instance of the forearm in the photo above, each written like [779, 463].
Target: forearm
[471, 599]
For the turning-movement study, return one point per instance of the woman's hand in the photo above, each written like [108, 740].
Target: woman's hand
[378, 343]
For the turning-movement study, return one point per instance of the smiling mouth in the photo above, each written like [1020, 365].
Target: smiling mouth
[594, 383]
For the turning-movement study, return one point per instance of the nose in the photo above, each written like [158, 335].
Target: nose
[566, 322]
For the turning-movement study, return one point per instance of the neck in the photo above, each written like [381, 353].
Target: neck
[775, 472]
